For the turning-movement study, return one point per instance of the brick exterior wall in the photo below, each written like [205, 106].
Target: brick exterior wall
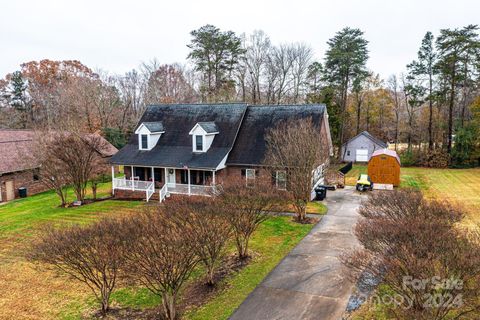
[21, 179]
[26, 179]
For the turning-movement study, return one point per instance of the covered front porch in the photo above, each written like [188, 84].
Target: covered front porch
[164, 181]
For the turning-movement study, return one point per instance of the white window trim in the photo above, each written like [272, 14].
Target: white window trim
[276, 179]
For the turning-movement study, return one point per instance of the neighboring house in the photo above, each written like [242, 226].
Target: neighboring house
[188, 148]
[361, 147]
[19, 170]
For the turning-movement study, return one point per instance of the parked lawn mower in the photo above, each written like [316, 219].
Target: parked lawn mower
[364, 183]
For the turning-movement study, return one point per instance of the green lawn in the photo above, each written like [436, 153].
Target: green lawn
[461, 186]
[35, 292]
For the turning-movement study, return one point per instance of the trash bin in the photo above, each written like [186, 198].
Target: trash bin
[22, 192]
[320, 193]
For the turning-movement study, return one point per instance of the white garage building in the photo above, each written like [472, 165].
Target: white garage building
[361, 147]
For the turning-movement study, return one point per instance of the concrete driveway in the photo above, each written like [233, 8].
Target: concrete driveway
[309, 283]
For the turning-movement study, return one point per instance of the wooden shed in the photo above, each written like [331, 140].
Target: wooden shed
[384, 167]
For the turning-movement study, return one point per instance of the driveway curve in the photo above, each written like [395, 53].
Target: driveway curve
[309, 283]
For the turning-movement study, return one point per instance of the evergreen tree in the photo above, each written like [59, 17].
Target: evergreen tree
[215, 54]
[424, 70]
[345, 61]
[18, 87]
[458, 52]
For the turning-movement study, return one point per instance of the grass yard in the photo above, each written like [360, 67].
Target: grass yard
[28, 291]
[461, 186]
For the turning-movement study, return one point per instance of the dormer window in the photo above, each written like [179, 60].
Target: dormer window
[144, 138]
[148, 134]
[203, 134]
[199, 143]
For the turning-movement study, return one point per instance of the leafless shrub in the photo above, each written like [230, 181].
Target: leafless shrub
[160, 254]
[208, 229]
[297, 147]
[92, 255]
[247, 207]
[405, 236]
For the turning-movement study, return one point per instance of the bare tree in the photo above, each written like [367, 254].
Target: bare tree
[80, 157]
[247, 207]
[92, 255]
[160, 255]
[208, 229]
[256, 59]
[52, 173]
[297, 147]
[303, 56]
[68, 158]
[283, 57]
[393, 86]
[406, 238]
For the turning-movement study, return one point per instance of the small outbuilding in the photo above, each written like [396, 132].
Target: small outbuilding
[384, 167]
[361, 147]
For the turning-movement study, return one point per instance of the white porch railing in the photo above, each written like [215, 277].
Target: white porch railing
[163, 193]
[193, 189]
[134, 185]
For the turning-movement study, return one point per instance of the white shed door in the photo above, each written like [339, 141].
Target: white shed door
[361, 155]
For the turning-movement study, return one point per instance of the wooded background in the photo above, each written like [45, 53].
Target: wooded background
[430, 111]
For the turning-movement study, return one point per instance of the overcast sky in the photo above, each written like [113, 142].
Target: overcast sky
[117, 35]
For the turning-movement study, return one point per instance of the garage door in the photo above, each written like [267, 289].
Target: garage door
[361, 155]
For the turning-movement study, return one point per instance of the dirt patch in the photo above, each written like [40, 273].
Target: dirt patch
[307, 220]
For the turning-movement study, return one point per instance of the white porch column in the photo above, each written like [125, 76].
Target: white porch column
[113, 181]
[153, 177]
[131, 177]
[189, 186]
[213, 177]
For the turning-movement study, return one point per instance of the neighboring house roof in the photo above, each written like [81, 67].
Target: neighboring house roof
[387, 152]
[16, 150]
[154, 126]
[209, 127]
[369, 136]
[251, 146]
[174, 148]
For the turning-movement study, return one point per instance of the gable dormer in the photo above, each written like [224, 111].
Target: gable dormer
[203, 134]
[148, 134]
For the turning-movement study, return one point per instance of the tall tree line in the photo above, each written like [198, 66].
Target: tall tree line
[425, 109]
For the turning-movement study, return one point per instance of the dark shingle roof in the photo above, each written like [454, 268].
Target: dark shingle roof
[174, 148]
[250, 146]
[369, 136]
[209, 127]
[154, 126]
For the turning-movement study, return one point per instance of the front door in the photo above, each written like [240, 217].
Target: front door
[10, 190]
[171, 176]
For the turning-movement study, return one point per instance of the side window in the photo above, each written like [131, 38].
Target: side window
[36, 174]
[348, 152]
[144, 141]
[281, 180]
[250, 176]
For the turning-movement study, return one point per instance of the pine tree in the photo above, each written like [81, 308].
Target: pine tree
[345, 61]
[424, 70]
